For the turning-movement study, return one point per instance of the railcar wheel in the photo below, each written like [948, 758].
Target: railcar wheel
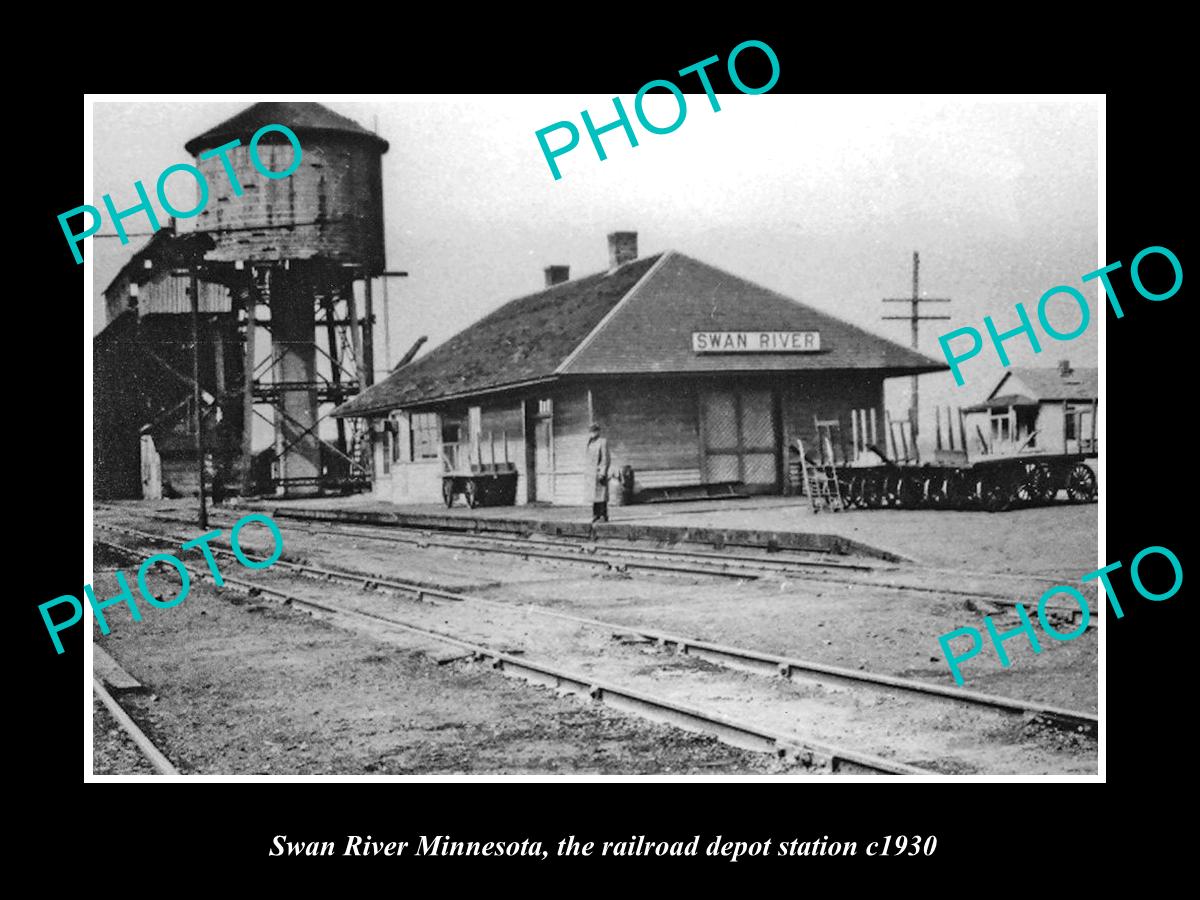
[1081, 482]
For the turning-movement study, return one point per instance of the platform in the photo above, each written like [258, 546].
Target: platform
[1058, 540]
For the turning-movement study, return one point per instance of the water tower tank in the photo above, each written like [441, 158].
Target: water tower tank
[331, 207]
[312, 233]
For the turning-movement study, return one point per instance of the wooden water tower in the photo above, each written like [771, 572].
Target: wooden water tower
[292, 248]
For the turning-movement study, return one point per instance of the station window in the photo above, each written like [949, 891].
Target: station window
[426, 436]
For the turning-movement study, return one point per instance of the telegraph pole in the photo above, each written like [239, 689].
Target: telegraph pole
[915, 318]
[196, 392]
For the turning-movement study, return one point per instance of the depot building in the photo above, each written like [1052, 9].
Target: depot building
[700, 380]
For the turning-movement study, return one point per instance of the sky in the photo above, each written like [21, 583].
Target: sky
[822, 198]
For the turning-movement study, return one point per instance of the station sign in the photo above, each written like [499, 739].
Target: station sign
[756, 341]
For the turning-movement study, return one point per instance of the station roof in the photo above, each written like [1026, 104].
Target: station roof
[637, 319]
[300, 117]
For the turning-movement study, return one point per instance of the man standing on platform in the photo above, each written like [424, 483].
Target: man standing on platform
[597, 472]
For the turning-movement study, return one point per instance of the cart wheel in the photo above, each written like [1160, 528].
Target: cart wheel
[994, 494]
[958, 490]
[937, 491]
[471, 492]
[1035, 486]
[871, 494]
[858, 496]
[910, 491]
[1048, 483]
[1081, 483]
[448, 491]
[893, 489]
[850, 490]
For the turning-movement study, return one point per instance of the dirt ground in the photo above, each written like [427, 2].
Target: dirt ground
[239, 687]
[856, 626]
[113, 751]
[868, 628]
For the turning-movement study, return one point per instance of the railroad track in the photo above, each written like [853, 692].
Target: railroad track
[736, 733]
[152, 754]
[750, 660]
[791, 669]
[677, 562]
[591, 555]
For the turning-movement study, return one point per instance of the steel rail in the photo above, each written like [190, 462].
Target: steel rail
[777, 567]
[152, 753]
[772, 566]
[731, 731]
[577, 557]
[755, 661]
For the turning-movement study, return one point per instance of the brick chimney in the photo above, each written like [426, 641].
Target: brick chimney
[557, 275]
[1064, 367]
[622, 248]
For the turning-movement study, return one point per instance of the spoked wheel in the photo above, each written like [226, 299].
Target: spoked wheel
[852, 493]
[959, 490]
[448, 491]
[1081, 482]
[471, 492]
[872, 492]
[889, 492]
[937, 491]
[909, 491]
[1035, 487]
[993, 494]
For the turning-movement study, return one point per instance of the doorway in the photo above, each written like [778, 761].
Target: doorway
[740, 437]
[539, 450]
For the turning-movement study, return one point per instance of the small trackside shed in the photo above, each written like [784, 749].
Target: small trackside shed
[1051, 410]
[697, 377]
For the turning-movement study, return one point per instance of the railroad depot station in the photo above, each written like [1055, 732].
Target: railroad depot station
[699, 380]
[242, 344]
[787, 579]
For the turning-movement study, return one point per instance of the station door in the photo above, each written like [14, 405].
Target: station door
[740, 437]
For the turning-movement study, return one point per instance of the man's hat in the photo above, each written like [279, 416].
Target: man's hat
[595, 426]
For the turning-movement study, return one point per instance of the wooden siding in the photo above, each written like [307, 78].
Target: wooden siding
[828, 395]
[571, 420]
[165, 293]
[650, 426]
[416, 482]
[334, 200]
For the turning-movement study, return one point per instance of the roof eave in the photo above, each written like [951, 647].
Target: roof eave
[341, 412]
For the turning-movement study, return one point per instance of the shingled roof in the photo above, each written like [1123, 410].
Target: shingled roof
[524, 340]
[637, 319]
[1054, 384]
[300, 117]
